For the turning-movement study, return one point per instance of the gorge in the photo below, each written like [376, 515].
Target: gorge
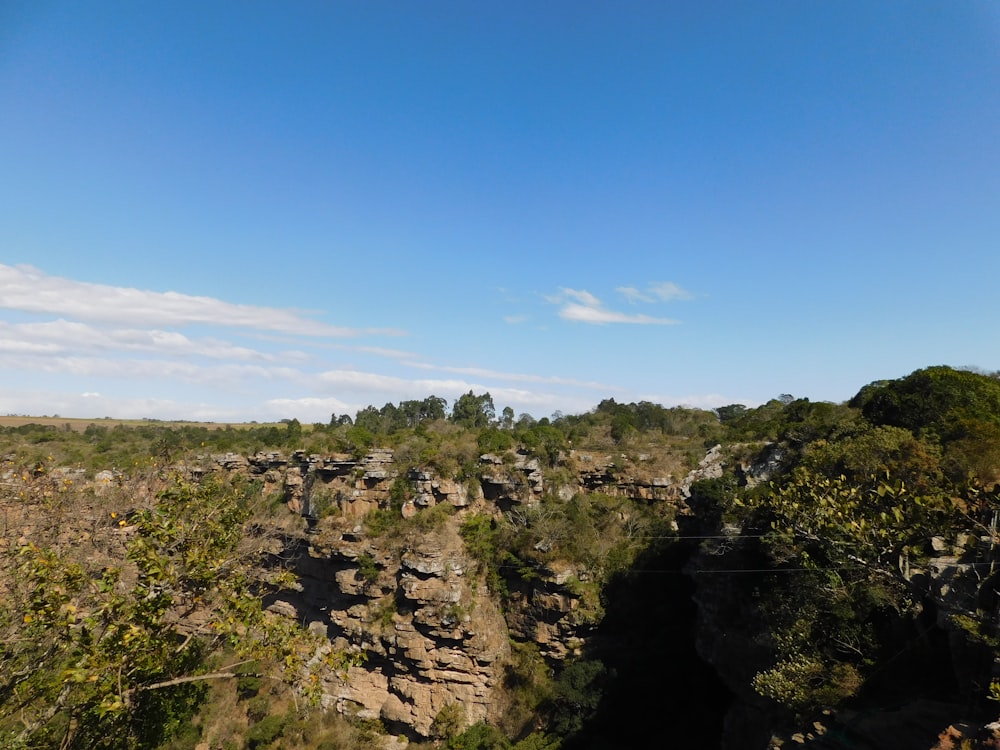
[796, 574]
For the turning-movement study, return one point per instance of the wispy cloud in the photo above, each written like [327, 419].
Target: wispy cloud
[222, 374]
[381, 351]
[281, 407]
[30, 290]
[63, 337]
[481, 372]
[362, 386]
[581, 306]
[668, 291]
[95, 405]
[102, 349]
[392, 385]
[660, 291]
[633, 295]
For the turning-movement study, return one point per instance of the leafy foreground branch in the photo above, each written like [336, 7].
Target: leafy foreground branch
[847, 543]
[104, 653]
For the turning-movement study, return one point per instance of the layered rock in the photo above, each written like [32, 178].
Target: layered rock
[420, 615]
[415, 606]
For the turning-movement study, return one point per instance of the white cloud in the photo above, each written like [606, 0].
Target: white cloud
[314, 408]
[512, 376]
[391, 385]
[101, 350]
[662, 291]
[515, 319]
[583, 307]
[633, 295]
[582, 296]
[30, 290]
[95, 405]
[28, 347]
[62, 336]
[394, 388]
[382, 351]
[225, 375]
[600, 316]
[668, 290]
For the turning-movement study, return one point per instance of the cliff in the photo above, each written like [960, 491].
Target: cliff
[599, 595]
[410, 598]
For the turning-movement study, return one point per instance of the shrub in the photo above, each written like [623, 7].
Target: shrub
[479, 736]
[367, 567]
[266, 731]
[247, 686]
[258, 708]
[448, 722]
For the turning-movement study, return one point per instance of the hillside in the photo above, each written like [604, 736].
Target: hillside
[797, 573]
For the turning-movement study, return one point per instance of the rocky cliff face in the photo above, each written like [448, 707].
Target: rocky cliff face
[418, 610]
[430, 633]
[412, 602]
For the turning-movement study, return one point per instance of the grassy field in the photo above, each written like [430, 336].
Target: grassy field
[79, 425]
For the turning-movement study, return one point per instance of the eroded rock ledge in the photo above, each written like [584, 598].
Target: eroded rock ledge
[416, 606]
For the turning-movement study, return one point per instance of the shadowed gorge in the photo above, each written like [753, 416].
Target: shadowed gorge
[656, 684]
[809, 573]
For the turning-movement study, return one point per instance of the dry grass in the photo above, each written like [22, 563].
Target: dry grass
[80, 425]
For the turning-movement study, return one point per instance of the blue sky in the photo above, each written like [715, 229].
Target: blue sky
[256, 210]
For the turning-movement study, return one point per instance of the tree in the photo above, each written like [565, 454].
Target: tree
[731, 412]
[431, 408]
[842, 542]
[471, 410]
[935, 399]
[622, 428]
[293, 433]
[888, 452]
[508, 418]
[369, 419]
[109, 654]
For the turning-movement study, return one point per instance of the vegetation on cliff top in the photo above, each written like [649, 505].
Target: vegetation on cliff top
[116, 656]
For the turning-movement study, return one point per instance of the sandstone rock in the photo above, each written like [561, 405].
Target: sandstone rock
[427, 561]
[283, 608]
[350, 582]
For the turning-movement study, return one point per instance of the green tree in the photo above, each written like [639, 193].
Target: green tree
[842, 541]
[507, 421]
[935, 399]
[293, 433]
[731, 412]
[101, 658]
[432, 408]
[887, 452]
[471, 410]
[578, 691]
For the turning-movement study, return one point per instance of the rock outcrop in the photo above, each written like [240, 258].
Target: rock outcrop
[415, 606]
[428, 630]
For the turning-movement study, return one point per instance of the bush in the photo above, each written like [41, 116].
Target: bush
[479, 737]
[266, 731]
[578, 692]
[527, 684]
[258, 708]
[367, 567]
[248, 681]
[448, 722]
